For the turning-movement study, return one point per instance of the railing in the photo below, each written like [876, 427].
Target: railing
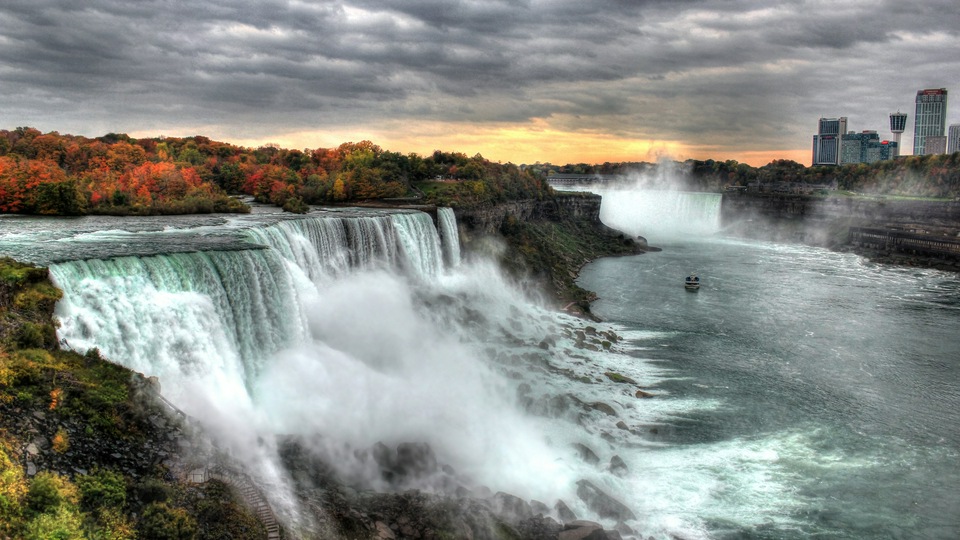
[904, 242]
[250, 493]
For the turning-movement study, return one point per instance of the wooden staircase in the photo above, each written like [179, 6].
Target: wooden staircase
[251, 495]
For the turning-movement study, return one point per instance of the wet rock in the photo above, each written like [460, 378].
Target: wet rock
[623, 425]
[624, 529]
[539, 508]
[538, 528]
[618, 467]
[511, 507]
[384, 532]
[602, 407]
[564, 513]
[618, 378]
[582, 530]
[601, 503]
[586, 454]
[644, 394]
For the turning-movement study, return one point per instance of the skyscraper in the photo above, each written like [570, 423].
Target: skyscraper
[826, 143]
[953, 138]
[930, 119]
[898, 122]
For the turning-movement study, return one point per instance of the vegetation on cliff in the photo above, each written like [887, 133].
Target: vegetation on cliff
[82, 442]
[548, 241]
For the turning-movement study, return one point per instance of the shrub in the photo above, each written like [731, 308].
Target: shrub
[13, 489]
[61, 441]
[63, 523]
[102, 489]
[48, 491]
[160, 522]
[153, 490]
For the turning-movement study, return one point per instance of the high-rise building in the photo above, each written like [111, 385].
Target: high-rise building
[935, 145]
[826, 143]
[865, 147]
[898, 123]
[953, 139]
[930, 119]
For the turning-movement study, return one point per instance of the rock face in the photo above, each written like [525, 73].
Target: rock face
[488, 219]
[830, 222]
[547, 241]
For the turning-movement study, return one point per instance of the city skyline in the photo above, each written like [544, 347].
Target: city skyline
[522, 81]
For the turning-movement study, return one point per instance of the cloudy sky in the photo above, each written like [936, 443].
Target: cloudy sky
[562, 81]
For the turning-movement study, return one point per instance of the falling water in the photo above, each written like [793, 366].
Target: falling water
[349, 327]
[449, 236]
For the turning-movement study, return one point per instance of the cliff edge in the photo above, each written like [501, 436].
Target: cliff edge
[546, 240]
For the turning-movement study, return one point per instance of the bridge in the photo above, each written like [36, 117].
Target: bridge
[581, 179]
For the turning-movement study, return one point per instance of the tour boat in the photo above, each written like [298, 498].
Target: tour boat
[692, 282]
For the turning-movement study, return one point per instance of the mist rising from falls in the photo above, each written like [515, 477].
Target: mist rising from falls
[353, 328]
[656, 205]
[661, 214]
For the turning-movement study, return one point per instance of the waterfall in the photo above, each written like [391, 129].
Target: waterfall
[225, 312]
[661, 214]
[419, 243]
[449, 236]
[182, 314]
[348, 327]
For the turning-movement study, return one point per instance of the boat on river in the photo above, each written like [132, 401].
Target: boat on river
[692, 282]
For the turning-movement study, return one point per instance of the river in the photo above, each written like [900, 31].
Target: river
[821, 392]
[800, 393]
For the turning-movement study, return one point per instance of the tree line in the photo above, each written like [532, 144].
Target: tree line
[50, 173]
[935, 176]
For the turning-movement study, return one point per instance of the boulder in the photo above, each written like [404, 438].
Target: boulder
[415, 460]
[564, 513]
[603, 407]
[510, 507]
[582, 530]
[618, 467]
[601, 503]
[586, 454]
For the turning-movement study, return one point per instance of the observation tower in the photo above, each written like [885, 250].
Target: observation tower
[898, 122]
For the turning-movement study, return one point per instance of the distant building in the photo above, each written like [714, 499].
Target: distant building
[826, 143]
[935, 145]
[953, 139]
[898, 123]
[930, 119]
[866, 147]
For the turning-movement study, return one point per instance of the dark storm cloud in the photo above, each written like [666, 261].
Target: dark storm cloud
[749, 72]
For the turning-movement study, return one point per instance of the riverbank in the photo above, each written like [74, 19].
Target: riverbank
[908, 232]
